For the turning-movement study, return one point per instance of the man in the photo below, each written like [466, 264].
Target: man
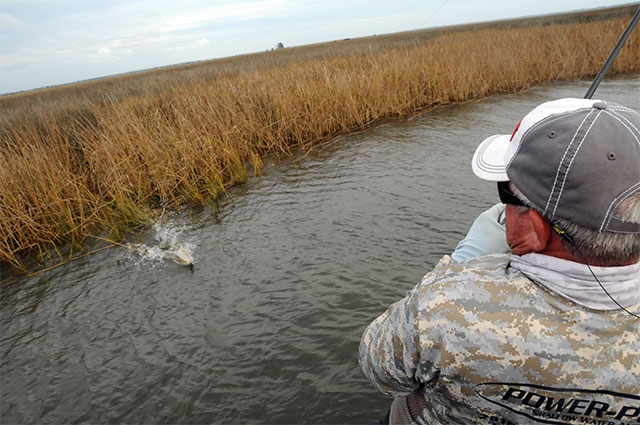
[550, 332]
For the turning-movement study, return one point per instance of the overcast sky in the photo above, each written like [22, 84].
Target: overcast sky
[47, 42]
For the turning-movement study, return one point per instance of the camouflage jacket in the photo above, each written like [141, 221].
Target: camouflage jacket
[485, 344]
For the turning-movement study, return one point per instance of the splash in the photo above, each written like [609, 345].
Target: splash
[168, 244]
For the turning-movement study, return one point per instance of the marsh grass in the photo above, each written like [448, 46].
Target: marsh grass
[73, 165]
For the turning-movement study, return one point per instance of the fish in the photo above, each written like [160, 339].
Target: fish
[180, 256]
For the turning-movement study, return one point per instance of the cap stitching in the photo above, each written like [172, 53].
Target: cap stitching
[620, 119]
[613, 211]
[566, 174]
[520, 142]
[615, 203]
[627, 232]
[536, 124]
[555, 181]
[617, 111]
[621, 108]
[484, 165]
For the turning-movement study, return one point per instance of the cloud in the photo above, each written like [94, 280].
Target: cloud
[147, 26]
[9, 22]
[7, 3]
[200, 43]
[189, 18]
[83, 38]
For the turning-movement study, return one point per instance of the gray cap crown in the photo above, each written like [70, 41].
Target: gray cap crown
[581, 164]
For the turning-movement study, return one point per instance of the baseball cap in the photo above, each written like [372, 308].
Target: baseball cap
[574, 159]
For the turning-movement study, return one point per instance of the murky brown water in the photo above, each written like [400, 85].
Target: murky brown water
[266, 328]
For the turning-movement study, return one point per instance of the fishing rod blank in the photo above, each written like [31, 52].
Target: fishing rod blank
[613, 55]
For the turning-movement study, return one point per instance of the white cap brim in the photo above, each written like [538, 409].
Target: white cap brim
[490, 158]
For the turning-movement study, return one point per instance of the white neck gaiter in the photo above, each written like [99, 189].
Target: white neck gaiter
[575, 282]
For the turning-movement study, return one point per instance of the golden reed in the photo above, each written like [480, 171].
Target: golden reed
[73, 167]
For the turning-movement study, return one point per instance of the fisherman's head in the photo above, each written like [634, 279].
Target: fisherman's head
[573, 164]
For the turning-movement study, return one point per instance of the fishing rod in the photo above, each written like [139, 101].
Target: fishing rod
[613, 54]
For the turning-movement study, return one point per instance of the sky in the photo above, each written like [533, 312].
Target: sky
[48, 42]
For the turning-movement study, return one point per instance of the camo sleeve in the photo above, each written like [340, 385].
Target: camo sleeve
[389, 348]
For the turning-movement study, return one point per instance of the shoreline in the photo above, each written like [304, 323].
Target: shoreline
[74, 166]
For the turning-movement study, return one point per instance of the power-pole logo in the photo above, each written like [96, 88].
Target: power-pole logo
[551, 405]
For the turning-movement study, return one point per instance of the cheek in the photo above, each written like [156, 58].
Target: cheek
[517, 229]
[510, 224]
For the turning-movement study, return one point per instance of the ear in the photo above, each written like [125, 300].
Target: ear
[527, 231]
[540, 229]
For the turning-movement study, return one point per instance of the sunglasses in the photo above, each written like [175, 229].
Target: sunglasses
[507, 196]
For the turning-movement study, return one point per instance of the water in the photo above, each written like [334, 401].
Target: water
[265, 328]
